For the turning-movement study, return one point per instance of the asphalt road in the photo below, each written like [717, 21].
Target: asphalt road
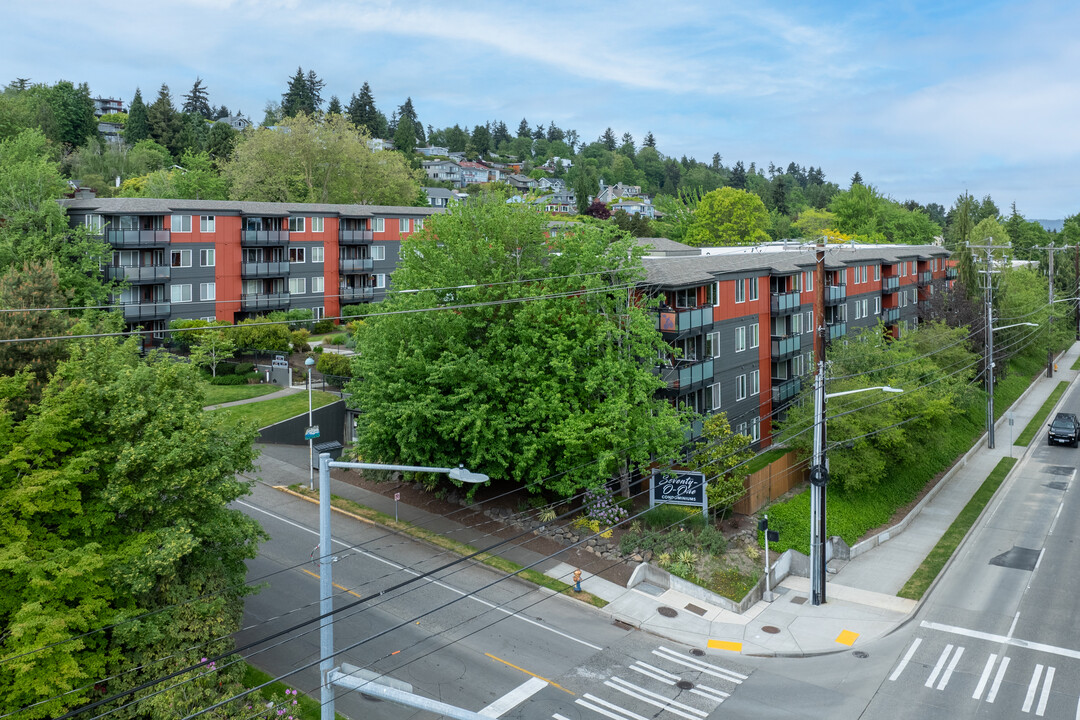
[510, 650]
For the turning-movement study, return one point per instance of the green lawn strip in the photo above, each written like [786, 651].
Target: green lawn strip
[765, 458]
[921, 579]
[1039, 420]
[218, 394]
[269, 412]
[1076, 365]
[306, 708]
[499, 563]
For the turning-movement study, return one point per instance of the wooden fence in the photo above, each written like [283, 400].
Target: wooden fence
[771, 482]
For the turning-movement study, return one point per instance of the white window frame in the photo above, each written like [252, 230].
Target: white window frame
[753, 283]
[858, 310]
[95, 222]
[742, 429]
[297, 286]
[318, 284]
[181, 289]
[866, 307]
[318, 254]
[755, 429]
[207, 223]
[207, 291]
[418, 224]
[318, 224]
[185, 258]
[877, 305]
[712, 396]
[180, 224]
[207, 257]
[403, 225]
[755, 382]
[378, 252]
[740, 339]
[740, 291]
[877, 272]
[809, 281]
[296, 224]
[810, 321]
[796, 324]
[380, 280]
[379, 224]
[755, 336]
[740, 388]
[712, 345]
[297, 252]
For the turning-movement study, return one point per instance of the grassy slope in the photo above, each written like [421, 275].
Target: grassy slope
[269, 412]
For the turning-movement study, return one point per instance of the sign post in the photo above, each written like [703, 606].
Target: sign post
[773, 535]
[397, 496]
[679, 487]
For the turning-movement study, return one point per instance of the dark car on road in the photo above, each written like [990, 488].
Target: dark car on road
[1064, 430]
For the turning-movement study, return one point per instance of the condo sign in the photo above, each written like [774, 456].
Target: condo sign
[678, 487]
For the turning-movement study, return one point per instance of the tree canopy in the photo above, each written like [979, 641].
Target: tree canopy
[729, 217]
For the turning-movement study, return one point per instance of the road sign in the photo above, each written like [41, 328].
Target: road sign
[397, 496]
[679, 487]
[311, 433]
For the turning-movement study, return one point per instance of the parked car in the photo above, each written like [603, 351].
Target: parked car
[1065, 430]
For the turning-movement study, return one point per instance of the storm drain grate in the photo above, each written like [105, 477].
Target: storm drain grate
[622, 626]
[697, 652]
[798, 599]
[771, 629]
[695, 609]
[861, 654]
[684, 685]
[667, 612]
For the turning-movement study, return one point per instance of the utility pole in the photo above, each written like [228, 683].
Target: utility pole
[988, 298]
[1076, 288]
[1050, 323]
[819, 478]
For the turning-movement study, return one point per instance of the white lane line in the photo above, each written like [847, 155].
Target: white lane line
[952, 666]
[1013, 626]
[977, 695]
[729, 675]
[997, 679]
[1039, 560]
[1045, 691]
[605, 703]
[645, 697]
[1032, 687]
[992, 637]
[906, 659]
[940, 664]
[515, 697]
[1057, 514]
[443, 585]
[557, 716]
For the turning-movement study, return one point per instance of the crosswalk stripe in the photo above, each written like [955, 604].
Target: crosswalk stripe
[940, 664]
[985, 676]
[907, 658]
[997, 679]
[605, 703]
[515, 697]
[714, 670]
[657, 670]
[1032, 687]
[708, 692]
[647, 673]
[952, 666]
[1045, 691]
[672, 706]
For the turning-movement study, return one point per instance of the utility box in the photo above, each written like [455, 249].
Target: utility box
[333, 447]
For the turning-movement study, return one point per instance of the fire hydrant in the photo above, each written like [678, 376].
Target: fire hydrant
[577, 581]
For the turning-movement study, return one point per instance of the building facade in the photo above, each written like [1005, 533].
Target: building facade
[225, 260]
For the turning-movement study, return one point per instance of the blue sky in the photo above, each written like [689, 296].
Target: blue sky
[924, 99]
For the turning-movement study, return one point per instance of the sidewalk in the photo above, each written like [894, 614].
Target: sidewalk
[861, 593]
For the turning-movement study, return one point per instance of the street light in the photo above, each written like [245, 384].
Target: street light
[819, 478]
[310, 362]
[326, 584]
[990, 374]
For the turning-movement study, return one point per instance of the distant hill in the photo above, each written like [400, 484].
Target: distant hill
[1052, 225]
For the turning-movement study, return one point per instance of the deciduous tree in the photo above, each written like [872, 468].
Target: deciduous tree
[729, 217]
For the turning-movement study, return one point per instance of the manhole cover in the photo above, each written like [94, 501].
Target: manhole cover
[684, 685]
[861, 654]
[798, 599]
[666, 611]
[697, 652]
[771, 629]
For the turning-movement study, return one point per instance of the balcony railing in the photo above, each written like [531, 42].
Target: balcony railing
[135, 312]
[264, 238]
[354, 294]
[950, 273]
[836, 330]
[277, 268]
[925, 277]
[137, 238]
[139, 273]
[348, 265]
[784, 346]
[890, 284]
[784, 390]
[353, 237]
[890, 316]
[687, 375]
[835, 294]
[784, 303]
[251, 302]
[680, 321]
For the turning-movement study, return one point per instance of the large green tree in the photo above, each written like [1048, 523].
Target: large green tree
[114, 494]
[729, 217]
[164, 120]
[555, 393]
[324, 160]
[138, 123]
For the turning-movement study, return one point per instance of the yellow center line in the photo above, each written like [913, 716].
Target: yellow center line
[539, 677]
[339, 587]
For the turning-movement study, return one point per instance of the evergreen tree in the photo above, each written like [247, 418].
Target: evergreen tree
[523, 129]
[501, 134]
[72, 113]
[539, 133]
[334, 108]
[406, 112]
[363, 114]
[197, 101]
[554, 133]
[313, 93]
[292, 100]
[608, 139]
[856, 179]
[405, 138]
[628, 140]
[481, 139]
[19, 84]
[164, 123]
[220, 113]
[738, 176]
[716, 162]
[649, 140]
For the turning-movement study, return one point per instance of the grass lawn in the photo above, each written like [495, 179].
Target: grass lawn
[765, 458]
[502, 564]
[1076, 365]
[1038, 422]
[273, 411]
[306, 708]
[920, 581]
[217, 394]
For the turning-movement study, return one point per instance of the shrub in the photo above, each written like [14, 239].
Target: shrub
[323, 326]
[712, 540]
[299, 339]
[334, 364]
[244, 368]
[338, 339]
[601, 508]
[229, 380]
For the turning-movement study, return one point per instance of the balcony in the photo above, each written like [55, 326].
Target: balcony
[890, 316]
[264, 238]
[687, 374]
[784, 303]
[354, 237]
[835, 294]
[138, 274]
[784, 390]
[683, 320]
[253, 302]
[836, 330]
[925, 277]
[264, 269]
[351, 265]
[137, 238]
[357, 294]
[950, 273]
[890, 284]
[785, 346]
[138, 312]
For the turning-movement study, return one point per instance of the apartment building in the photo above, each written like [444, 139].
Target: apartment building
[226, 260]
[741, 320]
